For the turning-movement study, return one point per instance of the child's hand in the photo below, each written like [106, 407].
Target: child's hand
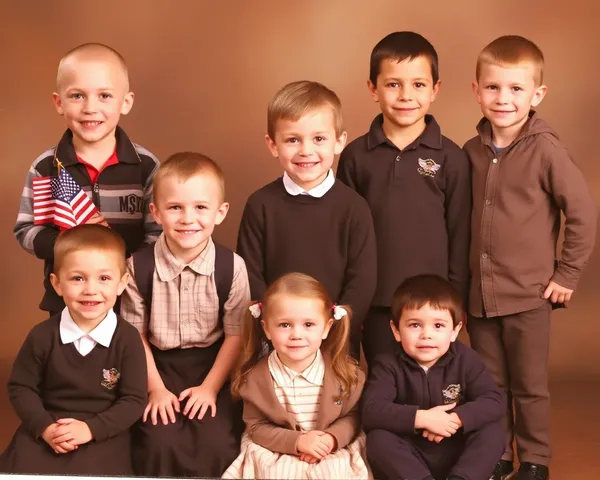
[330, 440]
[432, 437]
[73, 431]
[99, 219]
[200, 399]
[64, 447]
[161, 403]
[308, 458]
[437, 421]
[557, 293]
[313, 443]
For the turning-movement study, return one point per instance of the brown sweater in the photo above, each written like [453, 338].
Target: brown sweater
[270, 425]
[518, 195]
[51, 380]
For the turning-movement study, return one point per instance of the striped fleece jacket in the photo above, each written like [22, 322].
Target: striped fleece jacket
[122, 193]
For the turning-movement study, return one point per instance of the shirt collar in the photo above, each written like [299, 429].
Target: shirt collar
[102, 334]
[431, 136]
[168, 267]
[284, 376]
[294, 189]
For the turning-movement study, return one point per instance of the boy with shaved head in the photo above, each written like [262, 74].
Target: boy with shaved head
[92, 92]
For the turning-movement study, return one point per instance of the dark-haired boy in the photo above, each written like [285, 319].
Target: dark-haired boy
[416, 181]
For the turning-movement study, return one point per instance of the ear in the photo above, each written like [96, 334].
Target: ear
[373, 89]
[455, 332]
[57, 103]
[222, 213]
[475, 87]
[155, 213]
[435, 90]
[127, 103]
[328, 326]
[539, 95]
[395, 331]
[122, 283]
[55, 284]
[272, 146]
[265, 329]
[340, 143]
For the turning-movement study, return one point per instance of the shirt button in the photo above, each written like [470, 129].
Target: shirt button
[185, 289]
[488, 202]
[484, 255]
[398, 158]
[495, 160]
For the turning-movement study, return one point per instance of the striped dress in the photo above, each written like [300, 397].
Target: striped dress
[299, 394]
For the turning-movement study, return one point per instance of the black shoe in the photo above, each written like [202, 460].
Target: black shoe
[503, 471]
[533, 471]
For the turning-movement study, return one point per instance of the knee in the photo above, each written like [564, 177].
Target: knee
[379, 442]
[493, 436]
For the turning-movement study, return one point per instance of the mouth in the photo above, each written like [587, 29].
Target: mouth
[426, 348]
[90, 304]
[503, 111]
[306, 164]
[405, 109]
[187, 232]
[296, 347]
[90, 124]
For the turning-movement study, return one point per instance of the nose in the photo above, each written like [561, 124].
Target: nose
[426, 332]
[405, 93]
[187, 215]
[89, 106]
[295, 333]
[306, 149]
[90, 287]
[503, 95]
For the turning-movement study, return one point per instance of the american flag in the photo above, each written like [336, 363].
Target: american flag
[61, 201]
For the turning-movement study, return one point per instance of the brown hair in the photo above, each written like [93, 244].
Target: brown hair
[511, 50]
[89, 237]
[334, 347]
[296, 99]
[416, 292]
[402, 46]
[185, 165]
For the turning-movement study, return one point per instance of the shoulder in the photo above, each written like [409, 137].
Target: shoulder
[356, 146]
[386, 362]
[265, 194]
[256, 379]
[466, 355]
[472, 143]
[348, 197]
[43, 334]
[451, 149]
[43, 164]
[125, 331]
[146, 156]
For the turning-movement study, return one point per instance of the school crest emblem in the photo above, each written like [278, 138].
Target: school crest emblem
[428, 168]
[111, 377]
[452, 394]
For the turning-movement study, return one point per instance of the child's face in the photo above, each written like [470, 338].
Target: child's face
[92, 95]
[296, 327]
[404, 91]
[425, 334]
[89, 281]
[188, 211]
[307, 147]
[507, 94]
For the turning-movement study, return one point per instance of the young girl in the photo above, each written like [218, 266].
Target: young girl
[301, 400]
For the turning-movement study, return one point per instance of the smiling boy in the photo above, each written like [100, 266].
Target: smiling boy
[307, 221]
[92, 92]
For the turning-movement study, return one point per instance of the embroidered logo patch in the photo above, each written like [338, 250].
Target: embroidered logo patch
[452, 393]
[428, 168]
[111, 377]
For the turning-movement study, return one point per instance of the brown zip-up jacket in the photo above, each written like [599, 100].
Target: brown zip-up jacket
[518, 196]
[270, 425]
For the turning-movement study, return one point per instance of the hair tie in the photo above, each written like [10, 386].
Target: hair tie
[256, 310]
[339, 312]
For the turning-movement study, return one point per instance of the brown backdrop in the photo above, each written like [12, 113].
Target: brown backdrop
[203, 73]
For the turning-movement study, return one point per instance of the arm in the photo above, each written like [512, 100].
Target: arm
[251, 247]
[569, 190]
[25, 381]
[152, 230]
[458, 220]
[485, 403]
[226, 359]
[132, 397]
[345, 171]
[379, 407]
[36, 239]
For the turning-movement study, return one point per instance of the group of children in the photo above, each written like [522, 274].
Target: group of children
[389, 255]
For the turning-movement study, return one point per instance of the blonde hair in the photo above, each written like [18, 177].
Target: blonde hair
[334, 347]
[511, 50]
[185, 165]
[89, 237]
[296, 99]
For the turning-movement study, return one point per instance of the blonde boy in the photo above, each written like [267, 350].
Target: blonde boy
[523, 177]
[187, 296]
[92, 92]
[307, 221]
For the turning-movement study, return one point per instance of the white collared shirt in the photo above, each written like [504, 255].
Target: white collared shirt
[294, 189]
[85, 342]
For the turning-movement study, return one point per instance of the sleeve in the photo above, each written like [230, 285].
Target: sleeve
[25, 383]
[152, 230]
[238, 301]
[484, 401]
[346, 171]
[133, 307]
[266, 434]
[346, 427]
[132, 397]
[35, 239]
[251, 246]
[379, 408]
[570, 192]
[458, 221]
[360, 279]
